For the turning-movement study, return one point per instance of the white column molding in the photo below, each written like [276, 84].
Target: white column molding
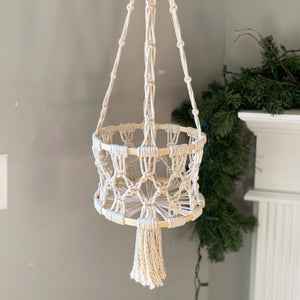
[275, 259]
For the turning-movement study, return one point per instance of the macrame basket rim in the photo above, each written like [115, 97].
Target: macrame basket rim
[199, 142]
[191, 147]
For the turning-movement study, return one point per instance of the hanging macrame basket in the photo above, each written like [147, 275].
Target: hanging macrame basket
[140, 183]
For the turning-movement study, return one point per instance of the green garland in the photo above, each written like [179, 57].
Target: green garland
[272, 87]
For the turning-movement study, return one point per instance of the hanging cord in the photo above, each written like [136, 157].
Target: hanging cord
[113, 74]
[149, 76]
[187, 77]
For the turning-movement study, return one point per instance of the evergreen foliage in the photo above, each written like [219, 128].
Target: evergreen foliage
[271, 87]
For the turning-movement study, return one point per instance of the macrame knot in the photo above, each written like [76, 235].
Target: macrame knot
[130, 7]
[113, 76]
[127, 127]
[121, 43]
[172, 128]
[109, 130]
[180, 44]
[150, 4]
[188, 79]
[149, 121]
[173, 8]
[148, 210]
[195, 112]
[151, 44]
[148, 175]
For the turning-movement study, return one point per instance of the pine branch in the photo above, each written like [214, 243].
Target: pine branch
[276, 81]
[269, 49]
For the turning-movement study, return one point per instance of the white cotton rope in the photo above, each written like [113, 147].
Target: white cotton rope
[129, 186]
[148, 266]
[113, 74]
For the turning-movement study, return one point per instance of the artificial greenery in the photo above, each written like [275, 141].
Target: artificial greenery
[272, 87]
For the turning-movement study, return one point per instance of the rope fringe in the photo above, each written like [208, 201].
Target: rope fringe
[148, 266]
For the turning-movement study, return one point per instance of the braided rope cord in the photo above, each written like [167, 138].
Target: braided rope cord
[113, 74]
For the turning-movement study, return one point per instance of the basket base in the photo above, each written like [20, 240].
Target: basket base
[161, 224]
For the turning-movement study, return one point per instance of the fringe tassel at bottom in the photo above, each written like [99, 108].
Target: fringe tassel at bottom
[148, 266]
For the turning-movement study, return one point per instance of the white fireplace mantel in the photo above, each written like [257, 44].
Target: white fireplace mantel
[275, 260]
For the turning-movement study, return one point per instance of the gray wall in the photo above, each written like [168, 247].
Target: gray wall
[55, 60]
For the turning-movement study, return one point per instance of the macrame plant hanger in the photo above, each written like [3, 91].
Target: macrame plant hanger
[141, 184]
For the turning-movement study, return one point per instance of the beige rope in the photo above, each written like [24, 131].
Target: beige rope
[149, 86]
[113, 74]
[187, 78]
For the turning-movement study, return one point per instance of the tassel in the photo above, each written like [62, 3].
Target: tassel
[148, 266]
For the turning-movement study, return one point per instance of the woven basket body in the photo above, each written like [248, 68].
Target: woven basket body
[148, 181]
